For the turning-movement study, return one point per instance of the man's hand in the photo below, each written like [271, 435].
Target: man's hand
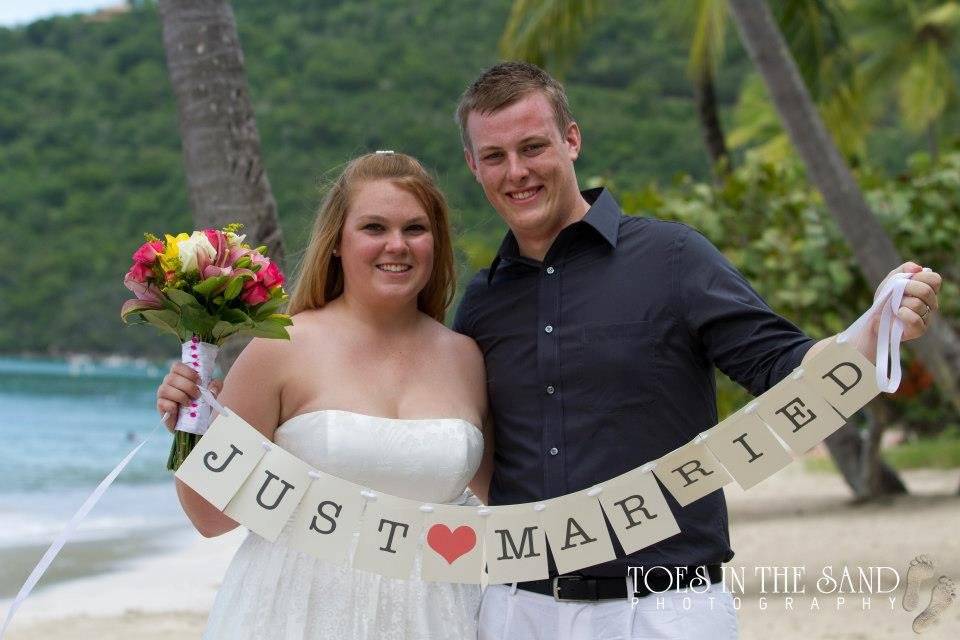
[919, 300]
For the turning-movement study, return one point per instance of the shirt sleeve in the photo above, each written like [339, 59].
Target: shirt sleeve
[732, 324]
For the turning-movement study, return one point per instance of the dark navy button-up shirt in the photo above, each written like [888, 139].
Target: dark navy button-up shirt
[601, 357]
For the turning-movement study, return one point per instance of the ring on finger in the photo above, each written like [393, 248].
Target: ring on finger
[923, 316]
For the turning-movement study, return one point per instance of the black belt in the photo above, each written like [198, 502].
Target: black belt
[594, 588]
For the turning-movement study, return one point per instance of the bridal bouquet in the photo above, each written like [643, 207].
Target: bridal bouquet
[204, 288]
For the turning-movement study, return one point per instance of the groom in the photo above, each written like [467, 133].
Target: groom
[600, 334]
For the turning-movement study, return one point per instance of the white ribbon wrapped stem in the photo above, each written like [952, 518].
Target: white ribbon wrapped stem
[202, 358]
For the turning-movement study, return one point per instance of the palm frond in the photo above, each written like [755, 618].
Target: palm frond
[709, 27]
[548, 33]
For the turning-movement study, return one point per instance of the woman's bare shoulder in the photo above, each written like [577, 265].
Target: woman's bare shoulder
[274, 352]
[458, 346]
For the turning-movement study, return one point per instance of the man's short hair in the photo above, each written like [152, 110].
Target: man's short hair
[504, 84]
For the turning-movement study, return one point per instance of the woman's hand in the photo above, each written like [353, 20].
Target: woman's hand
[179, 388]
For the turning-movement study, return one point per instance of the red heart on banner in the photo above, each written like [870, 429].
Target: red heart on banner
[451, 544]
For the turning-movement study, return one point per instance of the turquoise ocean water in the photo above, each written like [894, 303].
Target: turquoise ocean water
[63, 426]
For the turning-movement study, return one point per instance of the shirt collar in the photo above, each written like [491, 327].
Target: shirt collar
[603, 216]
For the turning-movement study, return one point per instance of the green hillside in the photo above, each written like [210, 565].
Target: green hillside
[89, 146]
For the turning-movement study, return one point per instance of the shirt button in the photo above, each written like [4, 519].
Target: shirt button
[550, 389]
[554, 451]
[550, 270]
[548, 328]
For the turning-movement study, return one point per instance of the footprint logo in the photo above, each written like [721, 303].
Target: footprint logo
[919, 571]
[942, 596]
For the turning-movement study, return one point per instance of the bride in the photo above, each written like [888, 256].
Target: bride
[371, 387]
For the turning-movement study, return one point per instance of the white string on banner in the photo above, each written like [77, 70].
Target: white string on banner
[82, 512]
[70, 528]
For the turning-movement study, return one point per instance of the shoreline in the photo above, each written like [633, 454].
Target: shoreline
[175, 586]
[84, 559]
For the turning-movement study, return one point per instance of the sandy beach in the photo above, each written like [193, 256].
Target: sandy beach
[794, 520]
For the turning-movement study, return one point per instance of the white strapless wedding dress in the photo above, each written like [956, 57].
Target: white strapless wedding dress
[273, 592]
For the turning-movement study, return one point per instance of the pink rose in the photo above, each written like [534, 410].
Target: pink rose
[254, 293]
[271, 276]
[148, 252]
[139, 272]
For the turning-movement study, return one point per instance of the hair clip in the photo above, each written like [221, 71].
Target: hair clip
[384, 151]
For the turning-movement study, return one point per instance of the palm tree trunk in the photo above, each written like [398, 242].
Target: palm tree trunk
[714, 139]
[859, 463]
[226, 179]
[872, 248]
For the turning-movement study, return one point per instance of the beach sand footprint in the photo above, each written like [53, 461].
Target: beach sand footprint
[943, 595]
[919, 571]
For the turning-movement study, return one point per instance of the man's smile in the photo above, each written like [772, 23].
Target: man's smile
[524, 196]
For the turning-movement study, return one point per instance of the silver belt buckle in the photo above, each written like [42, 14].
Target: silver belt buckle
[556, 590]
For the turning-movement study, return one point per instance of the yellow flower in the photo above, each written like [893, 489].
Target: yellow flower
[168, 258]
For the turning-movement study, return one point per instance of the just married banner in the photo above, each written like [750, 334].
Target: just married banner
[263, 487]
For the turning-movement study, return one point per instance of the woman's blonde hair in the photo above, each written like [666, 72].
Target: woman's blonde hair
[321, 274]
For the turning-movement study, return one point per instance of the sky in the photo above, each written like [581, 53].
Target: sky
[13, 13]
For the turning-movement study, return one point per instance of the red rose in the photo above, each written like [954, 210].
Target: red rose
[271, 276]
[148, 252]
[139, 272]
[254, 293]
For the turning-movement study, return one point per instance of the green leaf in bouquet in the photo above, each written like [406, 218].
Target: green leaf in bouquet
[181, 298]
[268, 308]
[166, 321]
[196, 319]
[134, 307]
[234, 287]
[268, 329]
[278, 292]
[236, 316]
[208, 286]
[222, 330]
[282, 319]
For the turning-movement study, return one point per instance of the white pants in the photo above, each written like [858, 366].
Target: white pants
[508, 614]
